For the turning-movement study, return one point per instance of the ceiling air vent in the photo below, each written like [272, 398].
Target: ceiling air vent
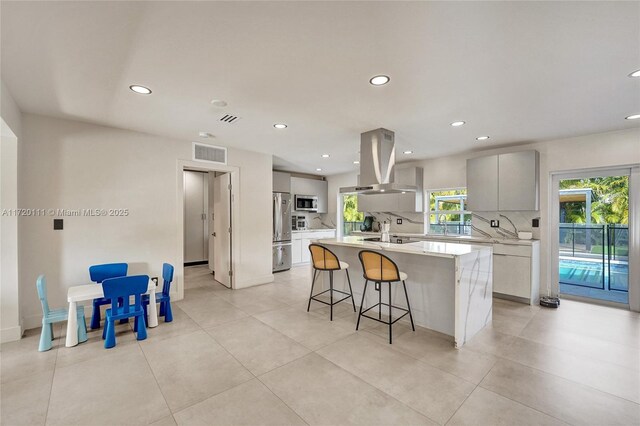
[227, 118]
[209, 153]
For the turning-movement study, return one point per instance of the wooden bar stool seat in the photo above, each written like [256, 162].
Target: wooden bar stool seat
[324, 259]
[380, 269]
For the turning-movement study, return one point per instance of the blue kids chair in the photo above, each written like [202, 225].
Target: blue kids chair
[163, 298]
[119, 292]
[99, 273]
[51, 316]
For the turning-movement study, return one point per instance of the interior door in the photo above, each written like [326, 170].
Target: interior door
[222, 229]
[195, 227]
[211, 241]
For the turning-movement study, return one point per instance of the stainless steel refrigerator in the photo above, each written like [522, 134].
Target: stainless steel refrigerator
[281, 231]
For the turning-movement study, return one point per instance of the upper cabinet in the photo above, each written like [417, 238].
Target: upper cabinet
[518, 181]
[482, 184]
[281, 182]
[319, 188]
[504, 182]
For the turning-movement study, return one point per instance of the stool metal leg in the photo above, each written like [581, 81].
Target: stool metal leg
[364, 292]
[408, 306]
[379, 300]
[315, 271]
[351, 290]
[331, 294]
[390, 320]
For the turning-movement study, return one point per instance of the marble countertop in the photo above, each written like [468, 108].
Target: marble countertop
[425, 248]
[456, 238]
[314, 230]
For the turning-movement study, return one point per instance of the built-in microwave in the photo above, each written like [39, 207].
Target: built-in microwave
[306, 203]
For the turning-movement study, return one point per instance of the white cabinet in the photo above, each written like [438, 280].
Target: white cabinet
[505, 182]
[300, 244]
[518, 179]
[281, 182]
[296, 251]
[482, 184]
[319, 188]
[516, 271]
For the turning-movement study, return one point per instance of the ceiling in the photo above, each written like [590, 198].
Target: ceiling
[516, 71]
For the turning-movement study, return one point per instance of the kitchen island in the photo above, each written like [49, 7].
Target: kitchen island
[449, 284]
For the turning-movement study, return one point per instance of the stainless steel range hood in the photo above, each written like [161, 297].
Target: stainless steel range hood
[377, 165]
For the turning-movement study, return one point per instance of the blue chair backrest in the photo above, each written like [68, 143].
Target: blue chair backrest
[167, 276]
[122, 288]
[41, 285]
[99, 273]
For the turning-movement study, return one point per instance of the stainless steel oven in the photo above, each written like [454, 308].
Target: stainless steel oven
[306, 203]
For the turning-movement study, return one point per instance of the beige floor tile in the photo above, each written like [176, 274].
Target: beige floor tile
[324, 394]
[508, 323]
[208, 310]
[490, 341]
[250, 403]
[283, 293]
[182, 324]
[592, 347]
[437, 350]
[25, 401]
[94, 347]
[21, 358]
[192, 367]
[165, 421]
[561, 398]
[267, 350]
[81, 393]
[306, 329]
[251, 301]
[424, 388]
[484, 407]
[601, 375]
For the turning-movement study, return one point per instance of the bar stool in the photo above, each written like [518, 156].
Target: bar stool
[380, 269]
[324, 259]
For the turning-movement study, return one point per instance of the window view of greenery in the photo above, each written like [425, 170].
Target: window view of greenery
[447, 212]
[351, 217]
[594, 216]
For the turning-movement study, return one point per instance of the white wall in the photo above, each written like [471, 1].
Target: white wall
[597, 150]
[10, 324]
[73, 165]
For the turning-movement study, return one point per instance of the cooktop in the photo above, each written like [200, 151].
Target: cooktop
[393, 240]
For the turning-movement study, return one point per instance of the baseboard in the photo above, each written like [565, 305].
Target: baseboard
[265, 279]
[10, 334]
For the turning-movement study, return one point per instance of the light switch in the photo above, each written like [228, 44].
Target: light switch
[57, 224]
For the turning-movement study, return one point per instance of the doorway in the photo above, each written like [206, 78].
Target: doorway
[222, 211]
[592, 222]
[196, 212]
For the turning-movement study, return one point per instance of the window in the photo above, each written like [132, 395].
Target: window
[447, 212]
[351, 217]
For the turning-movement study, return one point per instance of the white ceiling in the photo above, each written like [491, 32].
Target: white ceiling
[516, 71]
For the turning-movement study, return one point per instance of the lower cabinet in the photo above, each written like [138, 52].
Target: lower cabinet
[516, 272]
[300, 244]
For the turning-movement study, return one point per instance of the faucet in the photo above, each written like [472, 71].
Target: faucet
[445, 222]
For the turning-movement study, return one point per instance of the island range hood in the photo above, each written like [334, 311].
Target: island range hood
[377, 165]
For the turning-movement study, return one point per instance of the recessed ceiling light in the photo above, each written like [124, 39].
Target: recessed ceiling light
[356, 162]
[325, 156]
[632, 117]
[404, 192]
[219, 103]
[407, 152]
[280, 126]
[140, 89]
[318, 170]
[379, 80]
[457, 123]
[482, 138]
[635, 74]
[205, 134]
[382, 190]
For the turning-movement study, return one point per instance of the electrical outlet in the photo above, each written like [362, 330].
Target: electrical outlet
[155, 280]
[399, 221]
[535, 223]
[377, 286]
[495, 223]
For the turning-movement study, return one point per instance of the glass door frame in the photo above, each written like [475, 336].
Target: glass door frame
[634, 227]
